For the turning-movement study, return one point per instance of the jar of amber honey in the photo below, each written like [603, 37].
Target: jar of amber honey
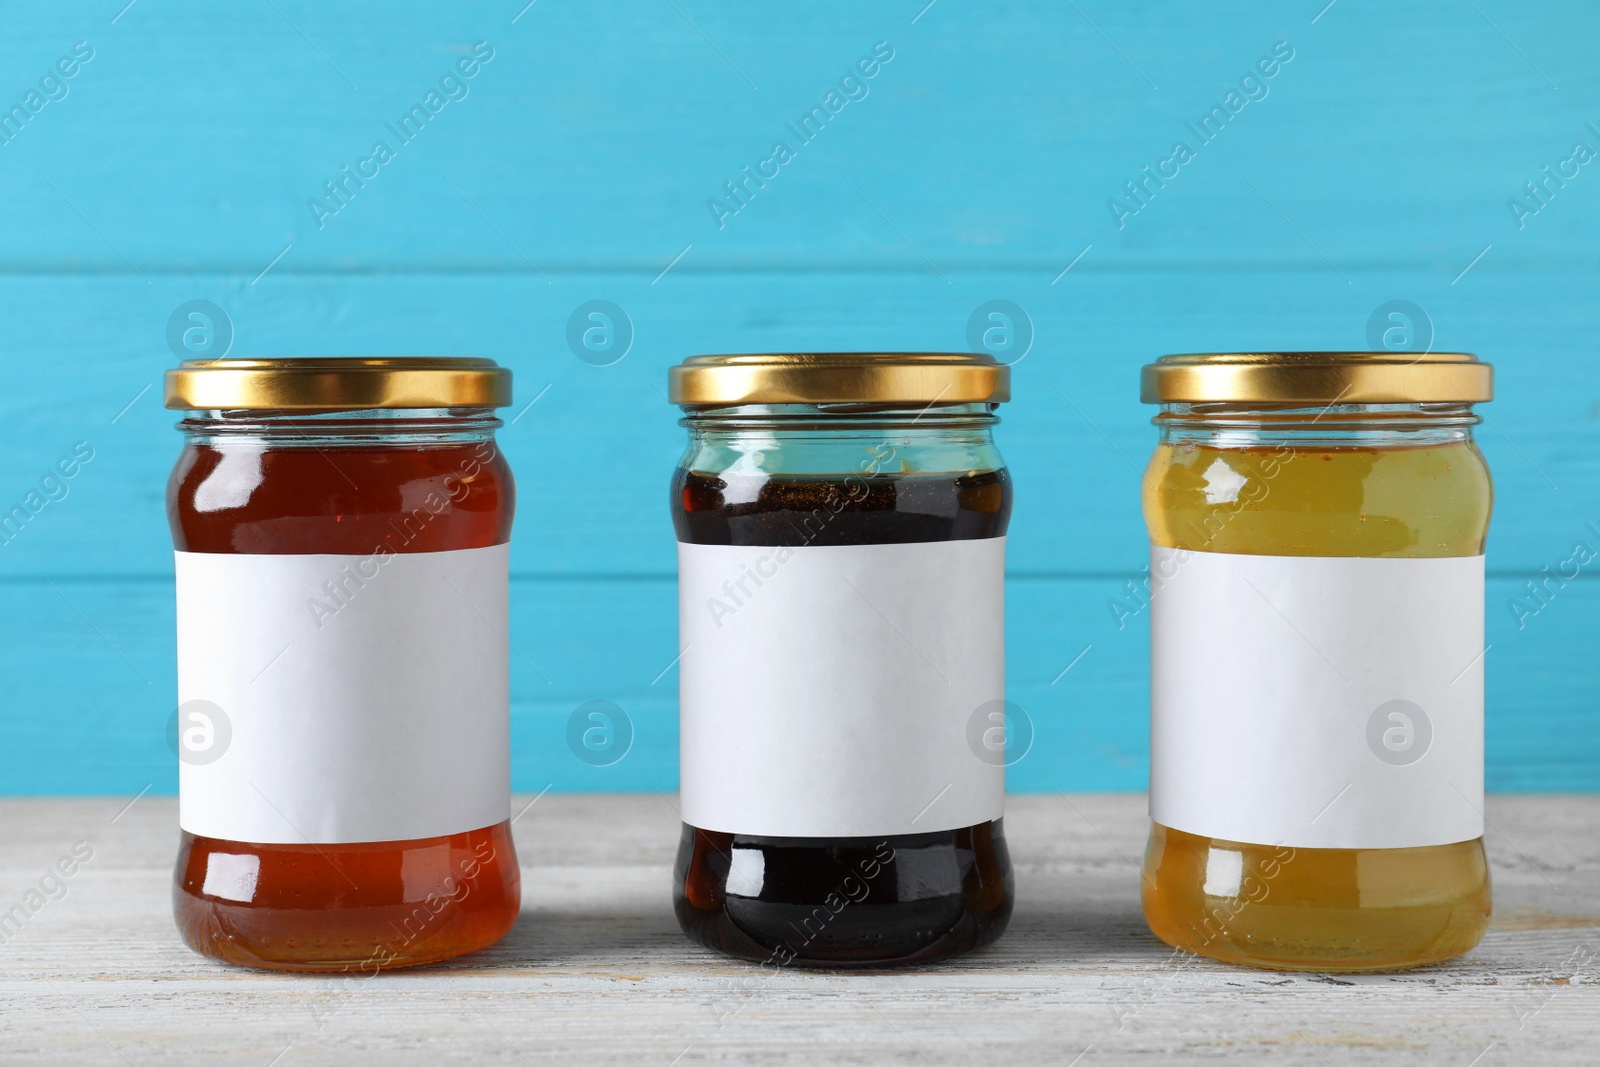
[841, 522]
[341, 528]
[1317, 524]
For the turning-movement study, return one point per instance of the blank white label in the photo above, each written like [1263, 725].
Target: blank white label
[1316, 701]
[829, 691]
[334, 698]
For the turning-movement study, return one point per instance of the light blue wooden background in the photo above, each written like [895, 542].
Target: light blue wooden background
[978, 167]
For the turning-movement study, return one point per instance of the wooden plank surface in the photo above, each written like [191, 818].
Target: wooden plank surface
[597, 972]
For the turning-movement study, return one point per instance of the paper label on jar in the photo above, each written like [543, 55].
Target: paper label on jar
[842, 691]
[339, 698]
[1315, 701]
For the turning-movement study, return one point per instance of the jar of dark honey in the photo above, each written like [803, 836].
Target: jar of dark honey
[341, 529]
[841, 522]
[1317, 524]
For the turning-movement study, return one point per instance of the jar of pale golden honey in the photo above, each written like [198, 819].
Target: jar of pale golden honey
[841, 522]
[1317, 524]
[341, 528]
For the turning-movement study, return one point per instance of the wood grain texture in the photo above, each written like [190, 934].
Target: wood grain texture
[597, 972]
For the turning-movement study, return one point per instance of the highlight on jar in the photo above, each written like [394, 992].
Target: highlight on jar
[836, 812]
[1317, 524]
[341, 529]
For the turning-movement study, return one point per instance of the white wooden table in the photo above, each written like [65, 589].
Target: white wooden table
[597, 972]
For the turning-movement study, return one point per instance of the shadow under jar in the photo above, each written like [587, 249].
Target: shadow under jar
[841, 522]
[341, 529]
[1317, 526]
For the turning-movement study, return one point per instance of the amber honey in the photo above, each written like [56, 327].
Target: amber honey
[261, 489]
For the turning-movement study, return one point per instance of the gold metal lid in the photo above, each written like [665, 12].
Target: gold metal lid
[1317, 378]
[338, 383]
[839, 378]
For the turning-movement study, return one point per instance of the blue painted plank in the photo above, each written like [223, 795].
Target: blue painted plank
[177, 163]
[91, 688]
[605, 439]
[598, 133]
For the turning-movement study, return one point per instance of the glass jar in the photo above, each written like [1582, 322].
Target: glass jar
[1317, 526]
[841, 523]
[341, 529]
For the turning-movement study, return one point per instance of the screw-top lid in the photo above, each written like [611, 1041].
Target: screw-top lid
[839, 378]
[338, 383]
[1317, 378]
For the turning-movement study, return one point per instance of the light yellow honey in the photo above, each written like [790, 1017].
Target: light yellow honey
[1317, 909]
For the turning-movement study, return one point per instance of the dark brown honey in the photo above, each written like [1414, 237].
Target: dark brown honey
[844, 902]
